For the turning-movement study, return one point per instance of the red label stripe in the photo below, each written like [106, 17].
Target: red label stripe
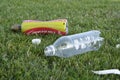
[44, 30]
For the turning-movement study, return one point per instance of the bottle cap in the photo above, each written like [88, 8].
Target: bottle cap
[36, 41]
[16, 27]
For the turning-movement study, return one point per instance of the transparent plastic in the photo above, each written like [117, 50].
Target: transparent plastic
[67, 46]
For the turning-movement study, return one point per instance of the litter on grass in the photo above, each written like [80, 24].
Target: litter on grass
[118, 46]
[58, 26]
[67, 46]
[110, 71]
[36, 41]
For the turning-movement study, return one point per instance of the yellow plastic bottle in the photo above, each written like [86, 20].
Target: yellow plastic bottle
[58, 26]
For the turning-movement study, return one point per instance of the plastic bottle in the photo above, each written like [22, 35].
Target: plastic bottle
[67, 46]
[59, 26]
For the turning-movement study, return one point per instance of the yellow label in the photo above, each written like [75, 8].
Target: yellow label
[55, 24]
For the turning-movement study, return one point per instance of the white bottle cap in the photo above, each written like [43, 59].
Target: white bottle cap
[36, 41]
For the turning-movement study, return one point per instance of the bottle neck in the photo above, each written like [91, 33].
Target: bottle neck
[19, 27]
[50, 50]
[16, 27]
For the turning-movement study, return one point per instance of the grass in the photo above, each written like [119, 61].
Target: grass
[21, 60]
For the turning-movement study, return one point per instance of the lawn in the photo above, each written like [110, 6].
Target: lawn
[21, 60]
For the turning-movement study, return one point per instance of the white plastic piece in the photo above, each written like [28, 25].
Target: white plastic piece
[118, 46]
[110, 71]
[36, 41]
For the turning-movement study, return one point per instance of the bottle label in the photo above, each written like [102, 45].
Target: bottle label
[55, 26]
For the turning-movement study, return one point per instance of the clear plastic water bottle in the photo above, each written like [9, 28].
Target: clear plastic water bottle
[67, 46]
